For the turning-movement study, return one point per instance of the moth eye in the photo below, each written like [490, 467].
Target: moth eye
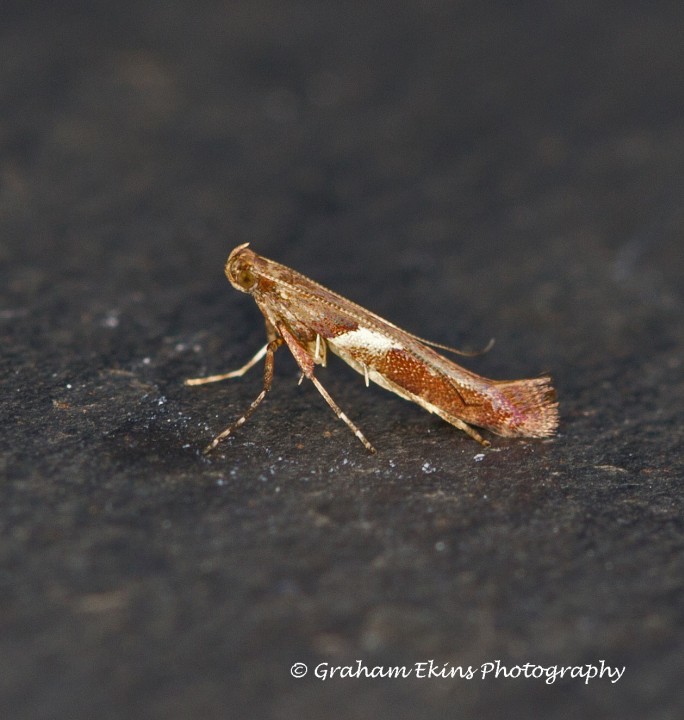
[245, 278]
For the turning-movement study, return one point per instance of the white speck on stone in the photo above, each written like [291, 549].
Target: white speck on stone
[428, 468]
[479, 457]
[111, 319]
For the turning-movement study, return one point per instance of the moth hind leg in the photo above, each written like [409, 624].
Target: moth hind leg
[474, 434]
[338, 411]
[467, 429]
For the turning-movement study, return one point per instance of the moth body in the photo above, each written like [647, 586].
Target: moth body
[310, 319]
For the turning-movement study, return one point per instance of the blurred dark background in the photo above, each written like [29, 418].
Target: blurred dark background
[465, 169]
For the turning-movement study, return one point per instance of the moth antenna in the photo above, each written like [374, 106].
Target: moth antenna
[456, 351]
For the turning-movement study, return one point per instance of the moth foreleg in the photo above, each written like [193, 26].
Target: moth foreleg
[336, 409]
[233, 374]
[269, 350]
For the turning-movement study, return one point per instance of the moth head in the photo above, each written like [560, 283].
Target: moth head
[240, 269]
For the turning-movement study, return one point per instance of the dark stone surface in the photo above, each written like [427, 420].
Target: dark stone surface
[467, 170]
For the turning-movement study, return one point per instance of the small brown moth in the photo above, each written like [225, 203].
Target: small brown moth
[311, 320]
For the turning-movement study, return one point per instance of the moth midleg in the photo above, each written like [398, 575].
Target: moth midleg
[269, 351]
[336, 409]
[233, 373]
[306, 365]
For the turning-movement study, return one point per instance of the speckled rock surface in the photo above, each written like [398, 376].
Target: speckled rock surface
[466, 170]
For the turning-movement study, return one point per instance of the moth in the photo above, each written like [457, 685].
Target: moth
[312, 320]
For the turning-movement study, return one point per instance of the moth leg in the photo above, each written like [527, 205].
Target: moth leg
[233, 374]
[271, 335]
[269, 351]
[306, 365]
[468, 430]
[336, 409]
